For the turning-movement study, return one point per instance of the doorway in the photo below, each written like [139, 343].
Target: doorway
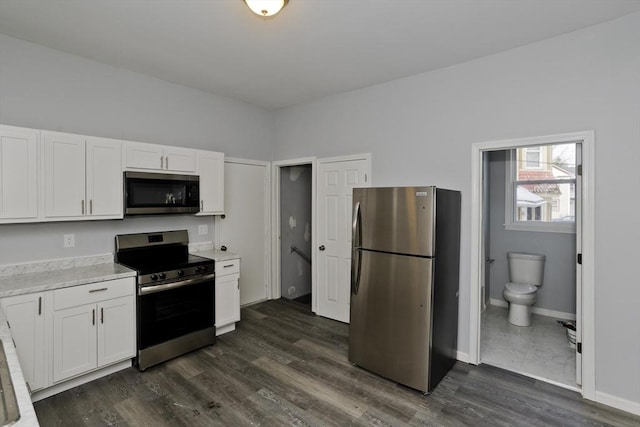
[295, 233]
[540, 220]
[293, 224]
[583, 241]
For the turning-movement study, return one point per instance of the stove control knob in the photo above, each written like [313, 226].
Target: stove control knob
[180, 273]
[163, 276]
[198, 269]
[203, 268]
[154, 277]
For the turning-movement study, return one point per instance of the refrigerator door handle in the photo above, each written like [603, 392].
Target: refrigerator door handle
[355, 241]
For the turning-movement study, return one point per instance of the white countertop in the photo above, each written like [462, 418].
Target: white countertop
[47, 280]
[217, 255]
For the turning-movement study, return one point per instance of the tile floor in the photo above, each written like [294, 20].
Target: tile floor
[540, 350]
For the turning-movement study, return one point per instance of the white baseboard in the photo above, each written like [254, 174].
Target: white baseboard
[618, 403]
[463, 357]
[537, 310]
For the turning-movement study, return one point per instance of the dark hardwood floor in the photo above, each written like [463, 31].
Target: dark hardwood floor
[285, 366]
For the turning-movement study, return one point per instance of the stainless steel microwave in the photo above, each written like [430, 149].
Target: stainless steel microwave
[148, 193]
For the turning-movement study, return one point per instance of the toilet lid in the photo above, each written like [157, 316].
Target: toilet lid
[521, 288]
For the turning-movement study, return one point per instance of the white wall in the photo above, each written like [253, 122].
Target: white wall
[420, 130]
[558, 290]
[46, 89]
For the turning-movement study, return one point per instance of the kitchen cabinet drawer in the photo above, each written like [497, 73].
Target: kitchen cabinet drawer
[92, 293]
[224, 268]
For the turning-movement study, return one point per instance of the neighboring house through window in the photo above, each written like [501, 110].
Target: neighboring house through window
[540, 190]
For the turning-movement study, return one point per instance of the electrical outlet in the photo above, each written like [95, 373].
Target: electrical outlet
[69, 240]
[203, 229]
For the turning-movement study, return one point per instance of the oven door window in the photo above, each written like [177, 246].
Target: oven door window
[173, 313]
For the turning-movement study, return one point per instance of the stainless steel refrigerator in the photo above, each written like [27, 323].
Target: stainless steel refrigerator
[404, 283]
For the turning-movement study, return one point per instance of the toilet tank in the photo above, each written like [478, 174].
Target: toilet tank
[526, 268]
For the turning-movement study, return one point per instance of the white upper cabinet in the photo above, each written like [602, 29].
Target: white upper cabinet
[82, 177]
[64, 174]
[104, 177]
[140, 155]
[56, 176]
[18, 174]
[211, 171]
[179, 159]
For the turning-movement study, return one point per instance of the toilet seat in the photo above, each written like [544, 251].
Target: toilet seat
[521, 288]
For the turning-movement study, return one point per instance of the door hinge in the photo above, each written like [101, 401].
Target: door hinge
[579, 259]
[579, 170]
[579, 347]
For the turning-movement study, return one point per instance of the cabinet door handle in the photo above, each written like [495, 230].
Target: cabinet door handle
[161, 162]
[93, 316]
[201, 205]
[101, 314]
[91, 207]
[166, 162]
[39, 306]
[97, 290]
[82, 206]
[227, 266]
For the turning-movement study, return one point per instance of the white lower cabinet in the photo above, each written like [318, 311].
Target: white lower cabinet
[25, 317]
[93, 326]
[116, 330]
[67, 333]
[227, 295]
[74, 342]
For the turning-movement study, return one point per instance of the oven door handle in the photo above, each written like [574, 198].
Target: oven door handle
[159, 288]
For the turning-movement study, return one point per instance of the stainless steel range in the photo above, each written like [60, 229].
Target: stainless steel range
[175, 296]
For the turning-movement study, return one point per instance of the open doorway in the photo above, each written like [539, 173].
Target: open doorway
[295, 233]
[293, 219]
[533, 209]
[529, 207]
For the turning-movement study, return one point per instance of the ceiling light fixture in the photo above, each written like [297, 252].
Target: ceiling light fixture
[266, 7]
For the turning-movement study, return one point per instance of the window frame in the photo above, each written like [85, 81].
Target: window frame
[511, 185]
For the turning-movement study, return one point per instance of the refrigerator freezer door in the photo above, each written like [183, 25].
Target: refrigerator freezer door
[389, 333]
[397, 220]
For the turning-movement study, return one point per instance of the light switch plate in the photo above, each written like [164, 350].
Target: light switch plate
[203, 229]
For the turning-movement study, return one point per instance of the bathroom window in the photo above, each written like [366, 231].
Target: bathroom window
[540, 188]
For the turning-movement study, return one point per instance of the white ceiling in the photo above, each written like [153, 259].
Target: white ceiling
[312, 49]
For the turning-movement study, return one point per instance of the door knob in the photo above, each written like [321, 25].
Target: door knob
[489, 260]
[321, 247]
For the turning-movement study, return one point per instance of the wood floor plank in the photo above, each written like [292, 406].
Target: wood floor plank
[323, 391]
[283, 365]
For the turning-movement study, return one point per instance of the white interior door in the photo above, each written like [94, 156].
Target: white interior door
[335, 180]
[245, 227]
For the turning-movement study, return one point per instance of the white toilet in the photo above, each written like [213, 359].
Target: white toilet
[525, 275]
